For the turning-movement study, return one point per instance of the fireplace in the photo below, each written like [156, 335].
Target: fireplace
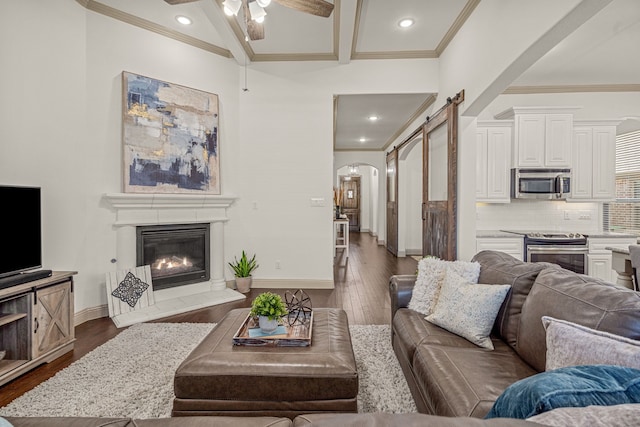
[178, 254]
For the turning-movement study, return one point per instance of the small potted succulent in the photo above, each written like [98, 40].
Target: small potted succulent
[242, 269]
[269, 308]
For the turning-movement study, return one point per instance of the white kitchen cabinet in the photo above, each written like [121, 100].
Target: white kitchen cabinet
[542, 136]
[599, 266]
[594, 161]
[513, 246]
[493, 157]
[599, 259]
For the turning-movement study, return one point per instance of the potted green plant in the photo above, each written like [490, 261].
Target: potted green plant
[242, 269]
[269, 308]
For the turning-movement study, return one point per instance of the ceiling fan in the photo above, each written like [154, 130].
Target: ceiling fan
[254, 12]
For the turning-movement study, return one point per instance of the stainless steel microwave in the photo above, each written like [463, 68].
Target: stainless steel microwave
[550, 184]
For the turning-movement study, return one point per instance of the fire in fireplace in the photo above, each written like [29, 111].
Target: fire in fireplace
[178, 254]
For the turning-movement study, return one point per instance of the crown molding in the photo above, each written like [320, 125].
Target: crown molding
[407, 54]
[457, 24]
[526, 90]
[266, 57]
[419, 111]
[111, 12]
[357, 149]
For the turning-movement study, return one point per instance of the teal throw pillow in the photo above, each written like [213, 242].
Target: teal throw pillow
[574, 386]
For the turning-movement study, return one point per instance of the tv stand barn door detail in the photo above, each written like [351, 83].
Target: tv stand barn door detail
[36, 323]
[52, 318]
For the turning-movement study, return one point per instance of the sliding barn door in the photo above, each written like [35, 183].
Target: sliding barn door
[439, 184]
[392, 202]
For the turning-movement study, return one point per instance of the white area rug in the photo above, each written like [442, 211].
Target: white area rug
[132, 375]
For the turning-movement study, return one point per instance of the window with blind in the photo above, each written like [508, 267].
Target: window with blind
[623, 215]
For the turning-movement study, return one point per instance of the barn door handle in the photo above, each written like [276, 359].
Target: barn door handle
[36, 325]
[424, 211]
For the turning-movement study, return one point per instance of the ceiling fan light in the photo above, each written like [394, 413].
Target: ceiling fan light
[231, 7]
[256, 11]
[263, 3]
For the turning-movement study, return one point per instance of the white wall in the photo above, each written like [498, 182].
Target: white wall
[43, 134]
[61, 98]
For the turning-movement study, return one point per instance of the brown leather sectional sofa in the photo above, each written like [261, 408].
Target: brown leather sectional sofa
[452, 377]
[312, 420]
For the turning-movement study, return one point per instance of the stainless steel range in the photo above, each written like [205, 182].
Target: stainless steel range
[568, 250]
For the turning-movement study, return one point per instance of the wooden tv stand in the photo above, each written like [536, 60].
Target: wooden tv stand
[36, 323]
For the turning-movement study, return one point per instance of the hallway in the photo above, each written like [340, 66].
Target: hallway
[361, 281]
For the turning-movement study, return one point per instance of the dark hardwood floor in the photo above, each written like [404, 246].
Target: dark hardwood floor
[361, 283]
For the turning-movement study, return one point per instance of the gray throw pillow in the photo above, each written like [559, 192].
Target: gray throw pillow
[468, 309]
[429, 281]
[570, 344]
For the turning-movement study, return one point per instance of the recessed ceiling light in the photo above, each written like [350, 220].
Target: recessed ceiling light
[183, 20]
[363, 140]
[405, 23]
[373, 118]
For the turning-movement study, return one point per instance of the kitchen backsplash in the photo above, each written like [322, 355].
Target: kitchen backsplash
[538, 215]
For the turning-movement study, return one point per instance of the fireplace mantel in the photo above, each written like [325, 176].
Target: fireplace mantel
[148, 209]
[133, 210]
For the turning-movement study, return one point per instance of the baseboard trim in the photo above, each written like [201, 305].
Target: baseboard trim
[91, 313]
[411, 252]
[292, 284]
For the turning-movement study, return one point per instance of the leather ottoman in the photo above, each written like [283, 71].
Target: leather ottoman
[218, 378]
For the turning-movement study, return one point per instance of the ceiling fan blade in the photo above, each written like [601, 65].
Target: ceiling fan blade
[255, 30]
[314, 7]
[174, 2]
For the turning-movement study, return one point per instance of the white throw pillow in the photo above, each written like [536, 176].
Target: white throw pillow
[570, 344]
[430, 275]
[468, 309]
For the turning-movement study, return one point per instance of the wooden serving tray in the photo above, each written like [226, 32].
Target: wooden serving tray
[294, 336]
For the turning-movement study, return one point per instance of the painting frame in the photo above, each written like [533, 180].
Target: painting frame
[170, 137]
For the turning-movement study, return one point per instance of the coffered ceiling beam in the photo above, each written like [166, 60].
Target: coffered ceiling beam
[347, 19]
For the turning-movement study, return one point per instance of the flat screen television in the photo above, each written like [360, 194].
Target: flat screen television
[21, 213]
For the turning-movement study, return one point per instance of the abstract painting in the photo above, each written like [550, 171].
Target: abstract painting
[170, 137]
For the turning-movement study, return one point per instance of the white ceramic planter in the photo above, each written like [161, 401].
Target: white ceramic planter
[243, 284]
[267, 326]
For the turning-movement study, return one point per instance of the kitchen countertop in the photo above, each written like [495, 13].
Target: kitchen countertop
[610, 234]
[496, 233]
[589, 234]
[620, 250]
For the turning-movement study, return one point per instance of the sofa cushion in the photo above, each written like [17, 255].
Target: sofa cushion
[217, 421]
[69, 422]
[410, 330]
[575, 386]
[429, 281]
[593, 416]
[570, 344]
[576, 298]
[381, 419]
[465, 382]
[501, 268]
[468, 309]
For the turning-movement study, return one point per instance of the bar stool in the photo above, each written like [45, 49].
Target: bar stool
[341, 235]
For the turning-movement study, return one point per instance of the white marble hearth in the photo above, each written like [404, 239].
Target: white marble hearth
[134, 210]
